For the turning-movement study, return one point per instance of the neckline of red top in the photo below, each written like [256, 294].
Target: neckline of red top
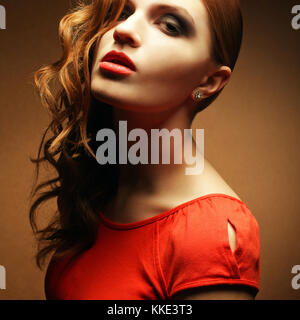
[136, 224]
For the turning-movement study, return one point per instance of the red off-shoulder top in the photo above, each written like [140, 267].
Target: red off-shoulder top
[152, 259]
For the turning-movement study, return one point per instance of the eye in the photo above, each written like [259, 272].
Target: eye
[174, 27]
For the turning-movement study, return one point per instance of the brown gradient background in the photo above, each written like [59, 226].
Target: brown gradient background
[251, 137]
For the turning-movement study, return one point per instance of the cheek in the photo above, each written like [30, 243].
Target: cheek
[178, 72]
[168, 85]
[175, 60]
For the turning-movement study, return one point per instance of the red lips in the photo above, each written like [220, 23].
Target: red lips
[119, 58]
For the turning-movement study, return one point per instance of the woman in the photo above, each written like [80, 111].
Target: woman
[142, 231]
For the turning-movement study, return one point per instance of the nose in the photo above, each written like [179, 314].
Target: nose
[126, 32]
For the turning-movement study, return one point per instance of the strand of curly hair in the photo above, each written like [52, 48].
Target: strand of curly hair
[81, 184]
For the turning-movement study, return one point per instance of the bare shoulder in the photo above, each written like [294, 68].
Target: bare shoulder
[210, 181]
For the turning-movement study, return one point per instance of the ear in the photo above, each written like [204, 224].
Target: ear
[216, 81]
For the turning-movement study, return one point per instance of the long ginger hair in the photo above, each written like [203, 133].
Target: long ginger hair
[82, 186]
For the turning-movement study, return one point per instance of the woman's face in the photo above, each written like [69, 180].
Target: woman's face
[169, 43]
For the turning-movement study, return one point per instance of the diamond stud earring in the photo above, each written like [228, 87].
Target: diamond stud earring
[198, 95]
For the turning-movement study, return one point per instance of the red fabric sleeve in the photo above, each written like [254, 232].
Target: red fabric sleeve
[194, 250]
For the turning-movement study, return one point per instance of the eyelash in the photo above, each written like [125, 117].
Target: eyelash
[173, 16]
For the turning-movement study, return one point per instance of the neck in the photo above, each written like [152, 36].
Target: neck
[151, 178]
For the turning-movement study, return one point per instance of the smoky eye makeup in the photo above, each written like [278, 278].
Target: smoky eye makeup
[177, 18]
[187, 28]
[174, 25]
